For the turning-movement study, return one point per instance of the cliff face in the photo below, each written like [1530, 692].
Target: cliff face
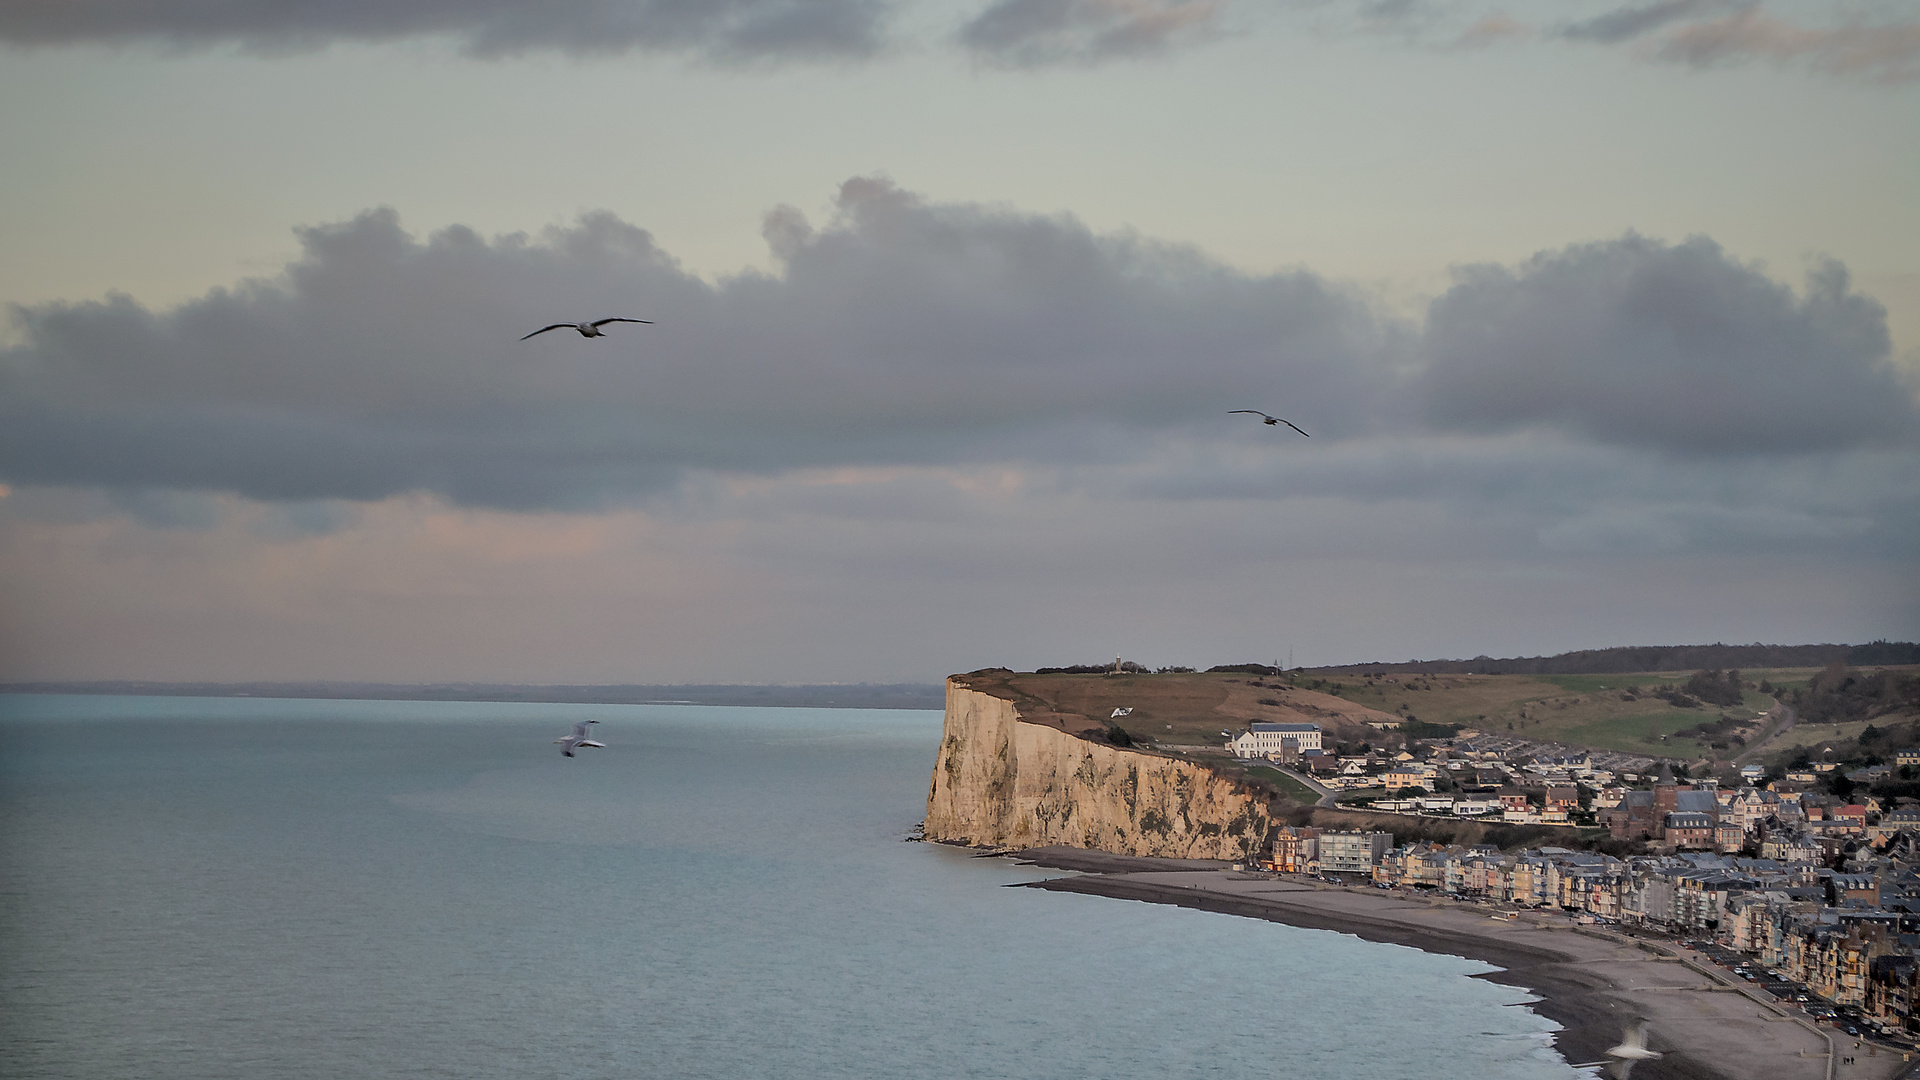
[1001, 783]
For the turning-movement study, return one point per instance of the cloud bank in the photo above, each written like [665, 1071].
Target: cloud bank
[903, 333]
[1637, 343]
[1039, 33]
[723, 30]
[1875, 45]
[1627, 23]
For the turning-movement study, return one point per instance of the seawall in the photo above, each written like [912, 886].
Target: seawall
[999, 782]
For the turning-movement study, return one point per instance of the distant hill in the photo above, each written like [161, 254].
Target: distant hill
[1659, 658]
[834, 696]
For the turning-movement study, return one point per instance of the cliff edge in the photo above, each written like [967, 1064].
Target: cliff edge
[1001, 781]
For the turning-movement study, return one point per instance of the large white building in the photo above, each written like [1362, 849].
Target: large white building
[1265, 740]
[1352, 852]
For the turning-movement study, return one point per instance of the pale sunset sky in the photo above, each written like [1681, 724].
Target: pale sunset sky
[1603, 318]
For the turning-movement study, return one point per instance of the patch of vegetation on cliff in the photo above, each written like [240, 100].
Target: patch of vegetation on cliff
[1087, 774]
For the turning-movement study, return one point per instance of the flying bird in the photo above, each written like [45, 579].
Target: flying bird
[578, 738]
[1632, 1048]
[1256, 412]
[587, 329]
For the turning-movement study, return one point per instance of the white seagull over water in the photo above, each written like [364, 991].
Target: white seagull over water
[587, 329]
[1269, 419]
[578, 738]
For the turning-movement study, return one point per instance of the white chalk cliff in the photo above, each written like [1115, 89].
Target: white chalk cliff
[999, 782]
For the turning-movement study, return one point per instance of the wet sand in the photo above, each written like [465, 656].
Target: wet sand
[1591, 981]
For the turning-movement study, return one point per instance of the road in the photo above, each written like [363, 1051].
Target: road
[1784, 720]
[1327, 794]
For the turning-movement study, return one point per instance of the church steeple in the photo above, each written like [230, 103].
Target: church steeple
[1666, 791]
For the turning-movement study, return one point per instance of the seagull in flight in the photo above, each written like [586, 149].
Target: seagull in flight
[587, 329]
[578, 738]
[1269, 419]
[1632, 1048]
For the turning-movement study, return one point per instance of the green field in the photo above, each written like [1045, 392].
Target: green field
[1816, 736]
[1628, 733]
[1284, 784]
[1612, 711]
[1589, 684]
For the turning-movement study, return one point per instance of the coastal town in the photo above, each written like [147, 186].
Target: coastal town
[1732, 853]
[1819, 895]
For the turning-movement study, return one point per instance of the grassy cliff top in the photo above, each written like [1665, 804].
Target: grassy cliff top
[1610, 712]
[1187, 709]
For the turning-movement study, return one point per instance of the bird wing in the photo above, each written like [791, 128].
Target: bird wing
[580, 730]
[590, 742]
[1268, 419]
[1636, 1035]
[555, 326]
[604, 322]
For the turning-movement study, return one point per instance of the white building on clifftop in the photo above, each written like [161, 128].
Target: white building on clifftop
[1267, 740]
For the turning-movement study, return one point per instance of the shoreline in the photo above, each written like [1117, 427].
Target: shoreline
[1591, 982]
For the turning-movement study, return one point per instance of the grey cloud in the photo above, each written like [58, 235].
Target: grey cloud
[1517, 494]
[1672, 347]
[901, 332]
[1646, 527]
[724, 30]
[1873, 42]
[1707, 34]
[1887, 53]
[1495, 29]
[1627, 23]
[905, 333]
[1035, 33]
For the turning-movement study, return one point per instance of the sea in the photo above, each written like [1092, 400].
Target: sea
[250, 888]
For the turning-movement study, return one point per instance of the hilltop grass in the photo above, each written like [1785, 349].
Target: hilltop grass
[1816, 736]
[1583, 710]
[1192, 709]
[1592, 684]
[1179, 709]
[1783, 678]
[1289, 788]
[1628, 734]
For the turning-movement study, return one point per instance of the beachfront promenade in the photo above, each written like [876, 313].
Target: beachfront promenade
[1592, 980]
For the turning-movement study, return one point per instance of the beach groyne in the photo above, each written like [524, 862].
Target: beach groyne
[1001, 782]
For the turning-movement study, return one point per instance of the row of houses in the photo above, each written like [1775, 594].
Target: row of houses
[1444, 778]
[1848, 931]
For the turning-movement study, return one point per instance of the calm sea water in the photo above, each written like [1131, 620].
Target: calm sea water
[248, 888]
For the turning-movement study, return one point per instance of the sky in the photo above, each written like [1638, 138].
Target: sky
[1602, 319]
